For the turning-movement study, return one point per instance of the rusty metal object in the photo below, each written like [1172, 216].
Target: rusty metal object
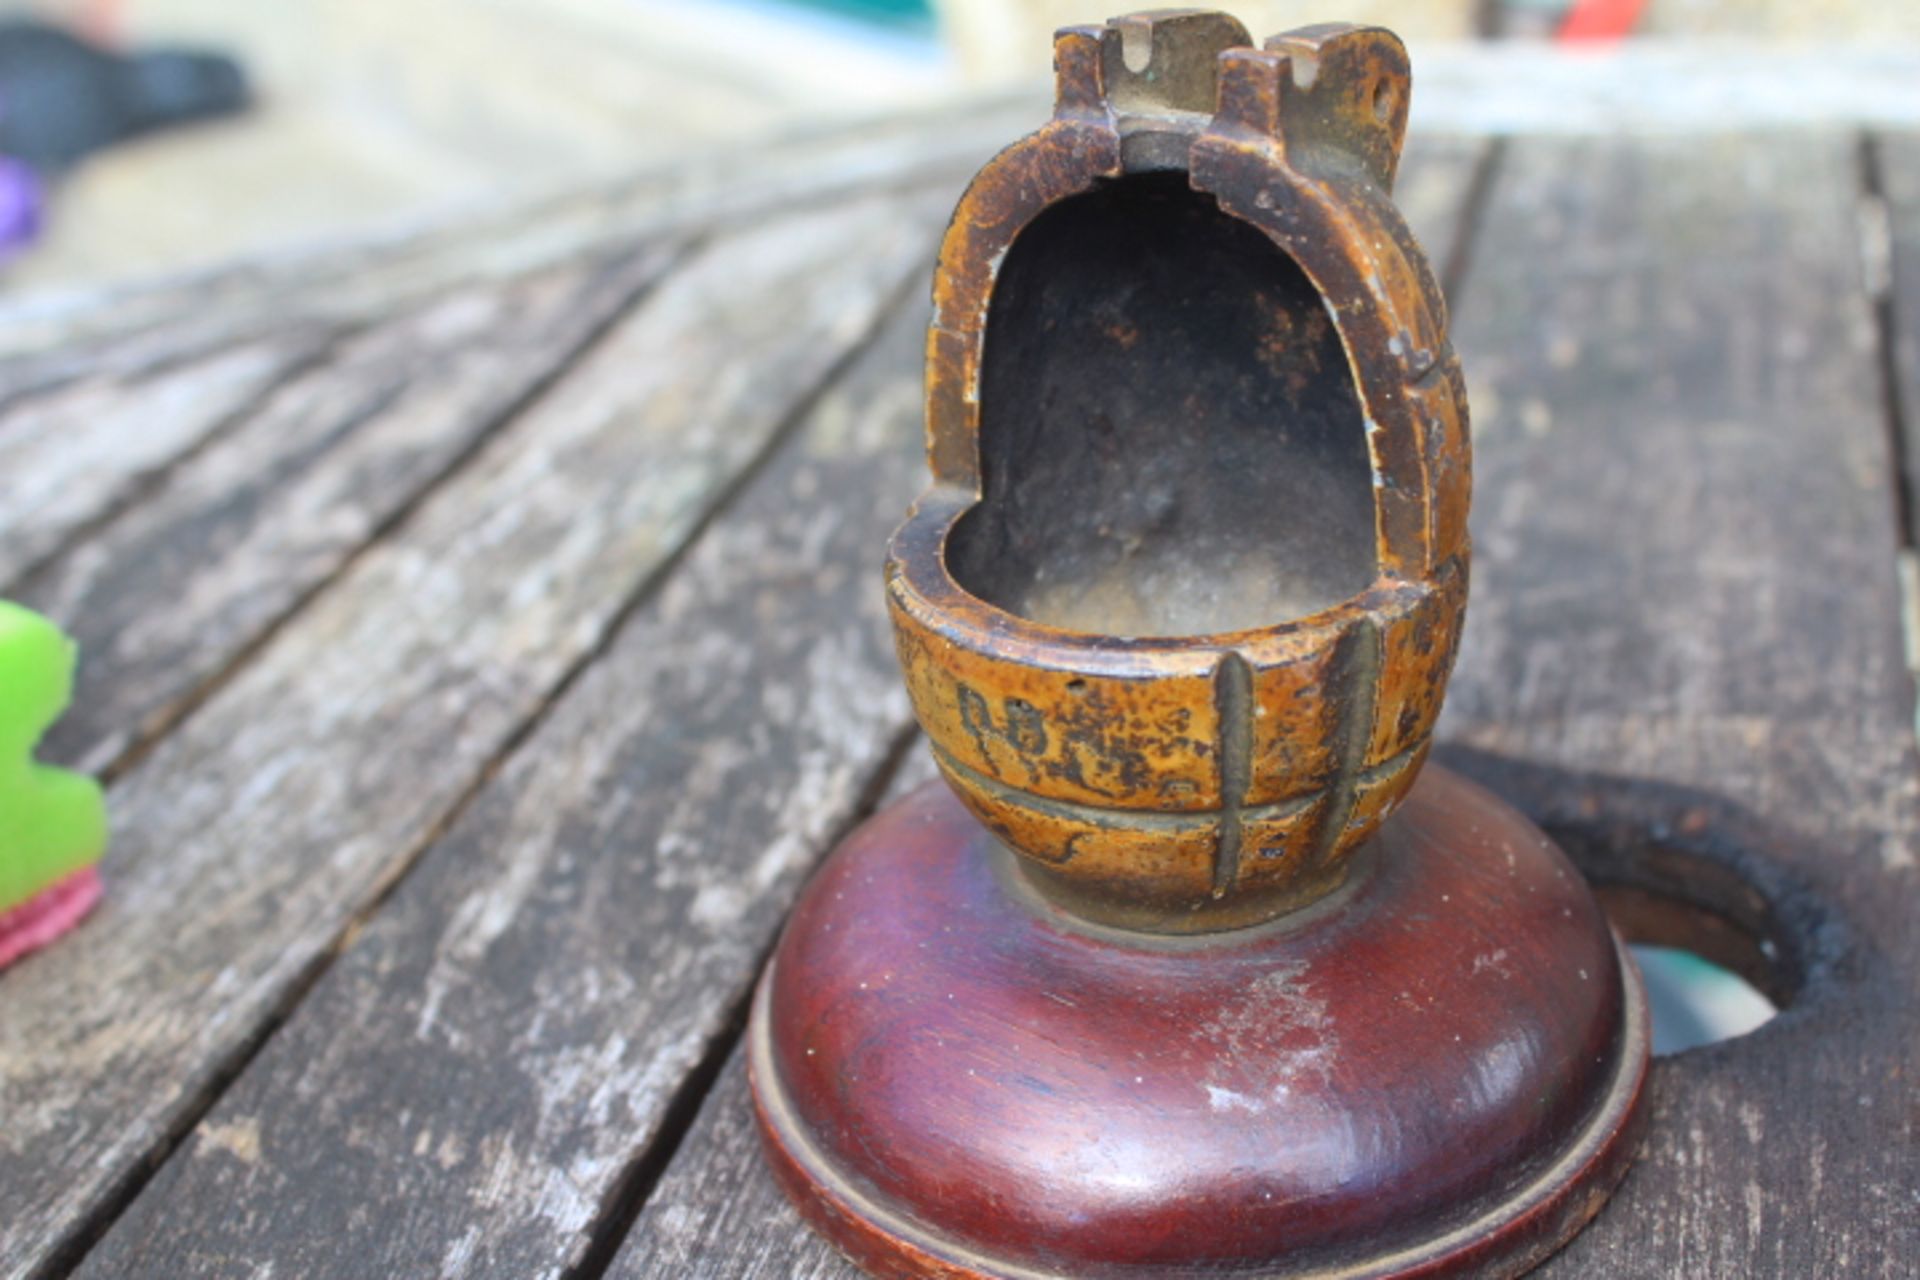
[1166, 979]
[1178, 614]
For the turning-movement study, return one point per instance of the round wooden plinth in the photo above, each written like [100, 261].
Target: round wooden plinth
[1436, 1070]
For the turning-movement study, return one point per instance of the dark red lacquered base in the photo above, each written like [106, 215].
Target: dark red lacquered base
[1437, 1070]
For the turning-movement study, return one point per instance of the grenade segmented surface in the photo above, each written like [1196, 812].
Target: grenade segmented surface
[1153, 985]
[1179, 608]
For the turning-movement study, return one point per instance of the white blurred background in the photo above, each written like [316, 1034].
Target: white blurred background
[373, 113]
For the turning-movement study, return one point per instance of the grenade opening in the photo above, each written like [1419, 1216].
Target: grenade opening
[1171, 438]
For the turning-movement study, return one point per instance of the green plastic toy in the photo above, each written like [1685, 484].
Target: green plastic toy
[53, 823]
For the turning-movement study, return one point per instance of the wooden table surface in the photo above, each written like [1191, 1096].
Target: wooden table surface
[482, 640]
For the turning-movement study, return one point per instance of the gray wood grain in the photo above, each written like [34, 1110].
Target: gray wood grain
[469, 1088]
[252, 836]
[73, 456]
[1684, 601]
[716, 1212]
[164, 600]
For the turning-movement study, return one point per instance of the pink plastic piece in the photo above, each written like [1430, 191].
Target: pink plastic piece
[47, 914]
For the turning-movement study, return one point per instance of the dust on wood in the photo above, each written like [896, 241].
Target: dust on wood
[165, 599]
[73, 456]
[1684, 576]
[469, 1089]
[255, 832]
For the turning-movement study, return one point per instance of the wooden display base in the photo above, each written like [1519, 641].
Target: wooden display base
[1435, 1070]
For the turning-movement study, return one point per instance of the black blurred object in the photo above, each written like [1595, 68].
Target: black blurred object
[62, 98]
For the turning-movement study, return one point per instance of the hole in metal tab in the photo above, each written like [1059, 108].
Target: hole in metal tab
[1171, 439]
[1382, 100]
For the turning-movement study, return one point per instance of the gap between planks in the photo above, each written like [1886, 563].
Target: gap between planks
[142, 678]
[104, 1179]
[305, 354]
[631, 1190]
[71, 461]
[1890, 251]
[667, 669]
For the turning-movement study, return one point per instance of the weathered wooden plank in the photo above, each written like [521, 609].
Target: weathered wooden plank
[254, 833]
[1894, 254]
[468, 1089]
[1684, 577]
[70, 457]
[166, 598]
[1672, 85]
[135, 328]
[716, 1212]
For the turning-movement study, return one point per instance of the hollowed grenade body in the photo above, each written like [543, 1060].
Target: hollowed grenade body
[1161, 983]
[1197, 782]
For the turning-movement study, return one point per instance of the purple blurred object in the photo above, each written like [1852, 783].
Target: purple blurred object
[22, 206]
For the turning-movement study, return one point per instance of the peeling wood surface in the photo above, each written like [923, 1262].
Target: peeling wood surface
[1684, 574]
[165, 599]
[501, 602]
[72, 456]
[250, 838]
[580, 940]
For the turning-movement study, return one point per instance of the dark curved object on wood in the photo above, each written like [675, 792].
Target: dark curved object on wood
[960, 1075]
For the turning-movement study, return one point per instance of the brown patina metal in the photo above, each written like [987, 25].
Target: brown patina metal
[1156, 986]
[1178, 614]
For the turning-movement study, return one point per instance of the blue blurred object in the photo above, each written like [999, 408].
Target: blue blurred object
[906, 13]
[62, 98]
[1696, 1002]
